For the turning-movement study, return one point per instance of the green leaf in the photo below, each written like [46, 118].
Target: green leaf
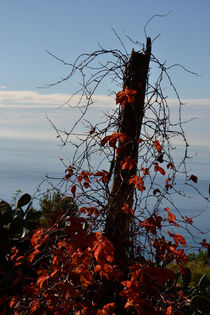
[24, 200]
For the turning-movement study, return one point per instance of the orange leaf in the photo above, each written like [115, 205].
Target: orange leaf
[35, 305]
[171, 217]
[127, 283]
[157, 168]
[126, 96]
[103, 250]
[106, 271]
[104, 140]
[104, 175]
[178, 238]
[113, 139]
[188, 220]
[32, 255]
[37, 236]
[128, 163]
[145, 171]
[157, 146]
[12, 302]
[54, 272]
[169, 310]
[42, 278]
[127, 209]
[107, 309]
[86, 278]
[14, 251]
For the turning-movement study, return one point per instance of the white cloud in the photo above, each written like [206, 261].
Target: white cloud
[29, 99]
[23, 114]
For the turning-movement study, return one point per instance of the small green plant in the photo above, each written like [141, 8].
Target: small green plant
[55, 207]
[194, 281]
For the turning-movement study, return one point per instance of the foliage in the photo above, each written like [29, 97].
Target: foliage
[202, 256]
[16, 227]
[107, 249]
[55, 207]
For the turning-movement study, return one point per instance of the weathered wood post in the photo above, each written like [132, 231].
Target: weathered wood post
[117, 222]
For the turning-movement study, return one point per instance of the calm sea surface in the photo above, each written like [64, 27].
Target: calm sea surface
[24, 163]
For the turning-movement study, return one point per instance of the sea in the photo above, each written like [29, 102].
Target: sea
[26, 163]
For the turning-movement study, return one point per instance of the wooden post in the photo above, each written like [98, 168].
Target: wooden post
[117, 222]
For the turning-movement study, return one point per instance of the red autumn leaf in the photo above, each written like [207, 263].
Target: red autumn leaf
[156, 191]
[205, 244]
[161, 170]
[69, 171]
[86, 184]
[84, 176]
[170, 165]
[167, 185]
[37, 236]
[157, 146]
[145, 171]
[140, 140]
[193, 178]
[113, 139]
[90, 211]
[14, 252]
[32, 255]
[157, 168]
[128, 163]
[104, 140]
[104, 175]
[178, 238]
[92, 130]
[107, 309]
[127, 209]
[12, 302]
[173, 249]
[86, 278]
[188, 220]
[138, 181]
[35, 305]
[54, 272]
[152, 223]
[103, 249]
[126, 283]
[100, 253]
[73, 190]
[126, 96]
[171, 217]
[42, 278]
[169, 310]
[105, 270]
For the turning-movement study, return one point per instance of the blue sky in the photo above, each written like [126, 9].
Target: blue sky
[68, 28]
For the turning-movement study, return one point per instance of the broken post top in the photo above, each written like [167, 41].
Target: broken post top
[137, 68]
[146, 52]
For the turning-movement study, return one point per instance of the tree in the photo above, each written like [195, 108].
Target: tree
[126, 195]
